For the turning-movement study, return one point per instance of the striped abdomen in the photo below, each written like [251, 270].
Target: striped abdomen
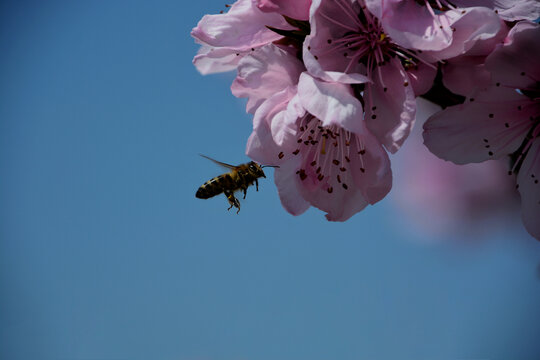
[216, 186]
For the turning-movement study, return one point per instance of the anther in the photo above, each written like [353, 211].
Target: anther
[281, 155]
[345, 186]
[295, 152]
[335, 161]
[330, 190]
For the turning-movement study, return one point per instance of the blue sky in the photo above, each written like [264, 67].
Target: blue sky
[105, 253]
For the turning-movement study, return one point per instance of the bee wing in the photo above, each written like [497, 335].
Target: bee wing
[228, 166]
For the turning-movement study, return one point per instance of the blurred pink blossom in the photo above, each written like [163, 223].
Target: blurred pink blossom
[439, 198]
[502, 120]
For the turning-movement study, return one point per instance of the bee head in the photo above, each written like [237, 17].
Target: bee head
[256, 169]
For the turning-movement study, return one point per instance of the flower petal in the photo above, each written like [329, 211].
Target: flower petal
[284, 124]
[390, 105]
[297, 9]
[517, 63]
[210, 60]
[471, 25]
[263, 73]
[340, 205]
[413, 26]
[287, 185]
[509, 10]
[371, 170]
[465, 75]
[529, 187]
[421, 78]
[332, 103]
[243, 27]
[478, 131]
[261, 146]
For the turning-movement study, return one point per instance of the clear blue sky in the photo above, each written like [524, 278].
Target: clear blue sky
[105, 253]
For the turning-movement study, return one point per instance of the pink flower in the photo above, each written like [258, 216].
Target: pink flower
[502, 120]
[439, 198]
[226, 38]
[313, 130]
[347, 44]
[327, 157]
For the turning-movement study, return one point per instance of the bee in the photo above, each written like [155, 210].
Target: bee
[238, 178]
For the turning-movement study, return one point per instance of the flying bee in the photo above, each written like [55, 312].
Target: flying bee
[238, 178]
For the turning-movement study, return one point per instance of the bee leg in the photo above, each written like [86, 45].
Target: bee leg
[256, 185]
[245, 192]
[233, 201]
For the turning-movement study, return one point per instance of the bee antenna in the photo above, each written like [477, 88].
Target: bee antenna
[272, 166]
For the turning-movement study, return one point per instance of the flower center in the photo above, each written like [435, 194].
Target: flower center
[362, 40]
[329, 154]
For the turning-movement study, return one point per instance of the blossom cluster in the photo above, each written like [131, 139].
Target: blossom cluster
[332, 86]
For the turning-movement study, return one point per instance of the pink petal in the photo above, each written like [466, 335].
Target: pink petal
[375, 178]
[412, 26]
[471, 25]
[210, 60]
[421, 78]
[390, 105]
[296, 9]
[332, 103]
[465, 75]
[479, 130]
[339, 206]
[284, 124]
[287, 185]
[509, 10]
[243, 27]
[517, 64]
[529, 187]
[263, 73]
[261, 146]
